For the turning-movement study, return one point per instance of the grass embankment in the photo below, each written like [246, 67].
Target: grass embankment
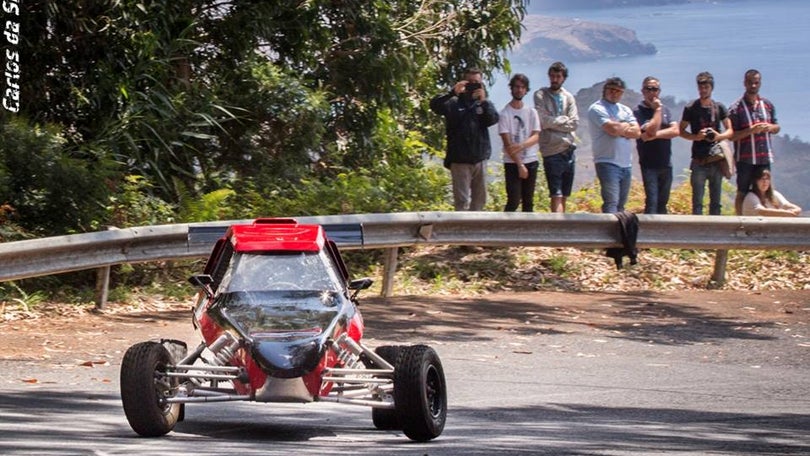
[460, 271]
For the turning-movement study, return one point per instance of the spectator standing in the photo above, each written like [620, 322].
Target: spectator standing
[559, 120]
[612, 127]
[763, 200]
[655, 146]
[468, 115]
[754, 121]
[705, 118]
[519, 128]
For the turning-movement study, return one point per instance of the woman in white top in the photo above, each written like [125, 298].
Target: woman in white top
[763, 200]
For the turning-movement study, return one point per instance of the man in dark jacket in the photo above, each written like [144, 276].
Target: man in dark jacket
[468, 115]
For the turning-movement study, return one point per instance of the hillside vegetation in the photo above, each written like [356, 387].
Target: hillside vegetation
[137, 113]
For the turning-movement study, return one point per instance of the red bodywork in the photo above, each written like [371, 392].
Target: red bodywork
[265, 237]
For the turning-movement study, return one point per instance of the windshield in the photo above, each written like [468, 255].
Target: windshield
[281, 271]
[276, 314]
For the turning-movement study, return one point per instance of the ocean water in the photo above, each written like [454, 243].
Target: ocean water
[724, 38]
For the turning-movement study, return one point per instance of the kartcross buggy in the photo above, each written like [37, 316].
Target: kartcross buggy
[279, 324]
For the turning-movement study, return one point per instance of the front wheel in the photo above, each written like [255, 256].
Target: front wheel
[420, 393]
[145, 387]
[387, 419]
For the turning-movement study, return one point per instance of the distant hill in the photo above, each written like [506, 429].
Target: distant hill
[552, 38]
[538, 6]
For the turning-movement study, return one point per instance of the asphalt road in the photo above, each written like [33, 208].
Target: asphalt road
[543, 373]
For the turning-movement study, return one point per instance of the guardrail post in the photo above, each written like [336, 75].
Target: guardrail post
[102, 286]
[719, 275]
[103, 282]
[389, 270]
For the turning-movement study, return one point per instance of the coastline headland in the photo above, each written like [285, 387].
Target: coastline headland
[555, 38]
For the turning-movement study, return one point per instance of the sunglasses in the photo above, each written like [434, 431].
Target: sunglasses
[652, 89]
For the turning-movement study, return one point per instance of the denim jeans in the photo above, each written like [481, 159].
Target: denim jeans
[520, 190]
[615, 186]
[701, 174]
[657, 184]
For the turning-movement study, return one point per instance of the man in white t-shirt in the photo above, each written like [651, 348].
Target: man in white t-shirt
[519, 127]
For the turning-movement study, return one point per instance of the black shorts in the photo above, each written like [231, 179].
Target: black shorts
[559, 169]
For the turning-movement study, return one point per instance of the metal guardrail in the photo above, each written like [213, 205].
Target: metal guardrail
[54, 255]
[566, 230]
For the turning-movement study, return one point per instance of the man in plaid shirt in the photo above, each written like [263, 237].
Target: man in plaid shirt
[753, 119]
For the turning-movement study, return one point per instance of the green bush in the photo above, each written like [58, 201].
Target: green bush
[135, 205]
[399, 180]
[52, 189]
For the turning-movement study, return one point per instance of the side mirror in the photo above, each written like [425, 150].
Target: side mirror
[203, 281]
[359, 284]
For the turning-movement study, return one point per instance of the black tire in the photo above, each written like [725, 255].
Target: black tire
[420, 393]
[144, 389]
[387, 419]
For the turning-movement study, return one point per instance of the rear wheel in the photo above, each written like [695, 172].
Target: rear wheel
[420, 393]
[145, 388]
[386, 419]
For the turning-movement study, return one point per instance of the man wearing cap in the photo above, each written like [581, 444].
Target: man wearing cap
[705, 119]
[613, 127]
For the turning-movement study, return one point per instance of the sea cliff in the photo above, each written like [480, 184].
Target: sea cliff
[553, 38]
[538, 6]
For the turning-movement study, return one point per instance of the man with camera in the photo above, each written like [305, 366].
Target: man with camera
[705, 119]
[468, 115]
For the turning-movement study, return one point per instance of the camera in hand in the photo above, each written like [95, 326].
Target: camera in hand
[472, 87]
[710, 135]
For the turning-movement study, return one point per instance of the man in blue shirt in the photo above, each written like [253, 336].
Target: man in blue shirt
[613, 127]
